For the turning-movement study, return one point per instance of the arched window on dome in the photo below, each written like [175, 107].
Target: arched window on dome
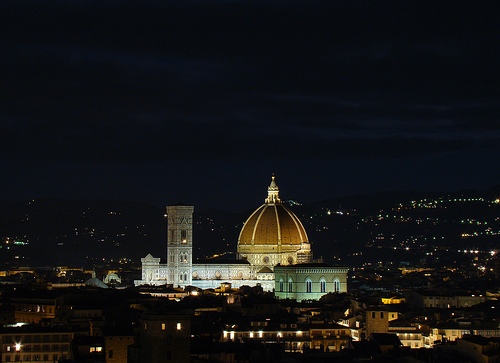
[308, 285]
[322, 285]
[336, 285]
[280, 287]
[290, 285]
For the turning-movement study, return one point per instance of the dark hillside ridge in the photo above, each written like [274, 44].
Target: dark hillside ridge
[55, 232]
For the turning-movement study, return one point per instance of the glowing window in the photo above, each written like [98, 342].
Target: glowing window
[179, 326]
[162, 326]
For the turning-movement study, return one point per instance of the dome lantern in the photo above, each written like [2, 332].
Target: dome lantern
[272, 193]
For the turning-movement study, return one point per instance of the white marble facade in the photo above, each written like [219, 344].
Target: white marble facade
[180, 271]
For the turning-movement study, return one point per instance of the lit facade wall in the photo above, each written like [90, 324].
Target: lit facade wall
[330, 337]
[308, 281]
[293, 338]
[23, 345]
[29, 310]
[164, 338]
[116, 348]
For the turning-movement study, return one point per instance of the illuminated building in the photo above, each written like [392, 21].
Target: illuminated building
[272, 236]
[33, 310]
[292, 336]
[31, 343]
[329, 337]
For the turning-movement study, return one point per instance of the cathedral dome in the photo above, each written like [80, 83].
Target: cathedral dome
[272, 224]
[273, 234]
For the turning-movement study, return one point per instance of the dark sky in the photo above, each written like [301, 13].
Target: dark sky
[202, 101]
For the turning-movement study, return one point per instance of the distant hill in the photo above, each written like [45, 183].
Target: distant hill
[47, 232]
[81, 232]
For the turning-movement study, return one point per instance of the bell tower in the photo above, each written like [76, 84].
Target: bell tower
[180, 245]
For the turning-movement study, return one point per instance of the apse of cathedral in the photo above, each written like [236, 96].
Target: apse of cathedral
[273, 252]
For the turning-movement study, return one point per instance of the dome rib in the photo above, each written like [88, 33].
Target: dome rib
[257, 223]
[243, 229]
[278, 224]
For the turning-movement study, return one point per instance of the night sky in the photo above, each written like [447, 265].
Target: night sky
[201, 101]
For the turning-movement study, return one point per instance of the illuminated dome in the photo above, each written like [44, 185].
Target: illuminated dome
[273, 234]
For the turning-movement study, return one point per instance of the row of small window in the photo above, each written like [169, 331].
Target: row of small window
[322, 285]
[178, 326]
[218, 275]
[261, 334]
[32, 358]
[321, 333]
[99, 349]
[35, 308]
[36, 338]
[438, 305]
[35, 348]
